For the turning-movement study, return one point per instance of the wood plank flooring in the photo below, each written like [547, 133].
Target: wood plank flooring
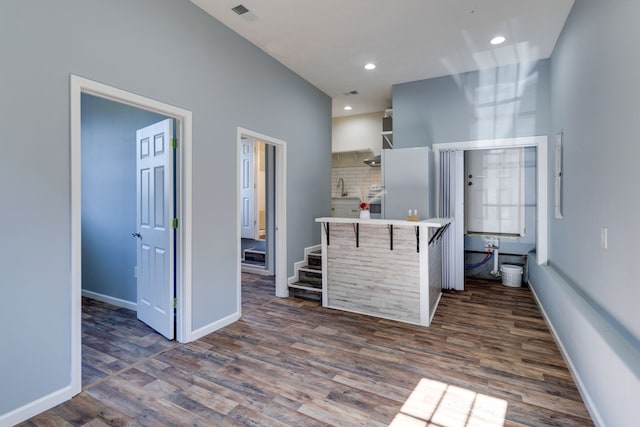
[487, 360]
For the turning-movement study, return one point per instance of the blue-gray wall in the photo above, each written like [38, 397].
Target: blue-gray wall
[504, 102]
[596, 102]
[590, 294]
[109, 195]
[168, 50]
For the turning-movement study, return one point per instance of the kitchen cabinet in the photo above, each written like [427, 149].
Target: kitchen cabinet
[345, 207]
[357, 133]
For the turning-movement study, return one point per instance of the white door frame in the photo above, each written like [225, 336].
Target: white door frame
[282, 290]
[540, 143]
[78, 86]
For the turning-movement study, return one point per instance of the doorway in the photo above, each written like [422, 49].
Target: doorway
[181, 201]
[117, 171]
[257, 206]
[450, 181]
[261, 161]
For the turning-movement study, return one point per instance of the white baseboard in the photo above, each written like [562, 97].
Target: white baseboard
[212, 327]
[254, 270]
[110, 300]
[36, 407]
[584, 393]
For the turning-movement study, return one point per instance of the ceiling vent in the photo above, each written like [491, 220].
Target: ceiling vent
[240, 9]
[352, 92]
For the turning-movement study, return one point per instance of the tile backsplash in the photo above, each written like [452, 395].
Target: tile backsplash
[357, 180]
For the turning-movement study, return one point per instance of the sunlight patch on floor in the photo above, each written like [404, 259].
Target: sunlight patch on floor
[436, 404]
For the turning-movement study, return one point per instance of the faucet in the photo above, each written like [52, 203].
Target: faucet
[341, 182]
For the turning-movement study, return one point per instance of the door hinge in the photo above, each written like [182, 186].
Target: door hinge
[175, 303]
[174, 223]
[174, 143]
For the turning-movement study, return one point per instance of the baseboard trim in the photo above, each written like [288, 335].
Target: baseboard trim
[36, 407]
[212, 327]
[601, 354]
[110, 300]
[245, 268]
[584, 393]
[435, 307]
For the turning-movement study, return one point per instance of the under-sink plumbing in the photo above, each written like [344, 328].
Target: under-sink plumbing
[341, 183]
[496, 270]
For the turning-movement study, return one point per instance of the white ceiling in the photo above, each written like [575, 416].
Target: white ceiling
[327, 42]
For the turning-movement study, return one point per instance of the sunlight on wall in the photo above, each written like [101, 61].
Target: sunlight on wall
[504, 100]
[433, 403]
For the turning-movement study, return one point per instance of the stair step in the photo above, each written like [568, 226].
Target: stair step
[314, 260]
[254, 255]
[305, 294]
[310, 276]
[306, 286]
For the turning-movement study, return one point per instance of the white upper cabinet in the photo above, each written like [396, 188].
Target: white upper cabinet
[357, 133]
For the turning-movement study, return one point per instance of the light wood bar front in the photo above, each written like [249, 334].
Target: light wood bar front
[384, 268]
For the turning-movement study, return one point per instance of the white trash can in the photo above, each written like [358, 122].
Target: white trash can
[511, 275]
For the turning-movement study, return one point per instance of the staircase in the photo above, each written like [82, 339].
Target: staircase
[254, 257]
[307, 283]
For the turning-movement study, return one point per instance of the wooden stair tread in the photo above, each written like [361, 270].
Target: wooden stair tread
[311, 269]
[254, 251]
[305, 286]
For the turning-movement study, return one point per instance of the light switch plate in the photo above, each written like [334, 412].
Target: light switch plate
[604, 238]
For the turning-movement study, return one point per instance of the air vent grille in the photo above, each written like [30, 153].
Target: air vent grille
[240, 9]
[351, 92]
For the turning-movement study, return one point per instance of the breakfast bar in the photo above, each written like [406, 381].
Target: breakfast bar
[387, 268]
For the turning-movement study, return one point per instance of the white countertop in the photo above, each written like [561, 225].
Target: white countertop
[431, 222]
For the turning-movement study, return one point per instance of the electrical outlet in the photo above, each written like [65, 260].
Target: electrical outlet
[491, 242]
[603, 238]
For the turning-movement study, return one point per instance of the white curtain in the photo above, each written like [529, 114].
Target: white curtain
[451, 205]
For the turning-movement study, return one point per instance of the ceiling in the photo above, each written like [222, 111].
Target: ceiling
[328, 42]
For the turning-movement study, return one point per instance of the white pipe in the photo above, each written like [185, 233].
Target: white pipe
[495, 271]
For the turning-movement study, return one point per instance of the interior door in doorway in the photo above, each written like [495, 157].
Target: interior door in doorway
[247, 221]
[155, 237]
[495, 191]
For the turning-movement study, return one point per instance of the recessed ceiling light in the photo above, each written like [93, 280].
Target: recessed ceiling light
[347, 107]
[497, 40]
[370, 66]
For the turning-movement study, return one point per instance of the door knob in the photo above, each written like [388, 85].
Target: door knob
[136, 235]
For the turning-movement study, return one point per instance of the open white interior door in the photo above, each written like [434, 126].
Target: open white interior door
[247, 211]
[154, 183]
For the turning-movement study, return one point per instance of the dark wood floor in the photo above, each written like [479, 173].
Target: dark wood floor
[487, 360]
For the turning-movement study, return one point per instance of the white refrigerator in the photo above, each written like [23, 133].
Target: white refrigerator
[407, 182]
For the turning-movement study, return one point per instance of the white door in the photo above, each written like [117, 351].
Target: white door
[247, 219]
[154, 182]
[495, 191]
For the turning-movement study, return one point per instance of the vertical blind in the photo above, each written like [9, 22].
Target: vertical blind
[451, 163]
